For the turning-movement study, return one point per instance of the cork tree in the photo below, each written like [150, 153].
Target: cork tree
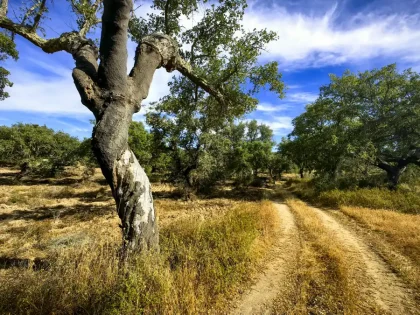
[113, 94]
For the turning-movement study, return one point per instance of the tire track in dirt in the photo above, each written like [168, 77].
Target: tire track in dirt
[379, 283]
[258, 299]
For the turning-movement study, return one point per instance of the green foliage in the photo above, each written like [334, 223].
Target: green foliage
[7, 49]
[359, 121]
[140, 142]
[46, 151]
[189, 123]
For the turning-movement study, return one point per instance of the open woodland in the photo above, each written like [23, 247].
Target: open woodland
[199, 210]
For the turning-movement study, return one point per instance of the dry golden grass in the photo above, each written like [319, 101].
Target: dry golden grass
[325, 282]
[67, 229]
[397, 235]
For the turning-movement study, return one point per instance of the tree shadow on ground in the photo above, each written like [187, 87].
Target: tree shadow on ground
[11, 179]
[100, 194]
[239, 194]
[12, 262]
[80, 212]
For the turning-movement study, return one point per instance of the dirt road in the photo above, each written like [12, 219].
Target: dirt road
[258, 299]
[381, 291]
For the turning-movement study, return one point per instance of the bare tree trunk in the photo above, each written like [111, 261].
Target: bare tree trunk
[394, 176]
[393, 172]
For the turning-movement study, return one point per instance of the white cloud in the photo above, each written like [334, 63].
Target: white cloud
[281, 125]
[301, 97]
[268, 107]
[33, 92]
[310, 40]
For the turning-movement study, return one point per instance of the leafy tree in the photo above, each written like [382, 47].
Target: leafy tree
[259, 144]
[7, 49]
[139, 140]
[45, 150]
[372, 116]
[251, 150]
[278, 163]
[298, 151]
[189, 119]
[113, 96]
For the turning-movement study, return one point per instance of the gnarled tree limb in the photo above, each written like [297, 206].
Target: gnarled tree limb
[165, 53]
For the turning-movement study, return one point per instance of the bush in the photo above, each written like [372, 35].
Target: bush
[408, 202]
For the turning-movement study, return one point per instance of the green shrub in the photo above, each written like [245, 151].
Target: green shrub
[403, 201]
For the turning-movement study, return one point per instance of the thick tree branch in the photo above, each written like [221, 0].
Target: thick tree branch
[38, 16]
[112, 73]
[159, 50]
[85, 77]
[153, 52]
[185, 68]
[68, 42]
[83, 51]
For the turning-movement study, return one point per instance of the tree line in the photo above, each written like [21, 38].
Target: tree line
[363, 127]
[193, 159]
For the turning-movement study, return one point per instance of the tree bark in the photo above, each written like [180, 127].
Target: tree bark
[394, 176]
[393, 172]
[113, 97]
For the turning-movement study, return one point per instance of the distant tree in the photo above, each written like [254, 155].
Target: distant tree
[251, 150]
[44, 150]
[278, 163]
[373, 116]
[140, 142]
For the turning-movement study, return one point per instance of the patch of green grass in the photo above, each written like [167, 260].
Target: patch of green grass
[402, 200]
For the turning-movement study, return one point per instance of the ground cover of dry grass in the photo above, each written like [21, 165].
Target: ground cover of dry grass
[396, 235]
[324, 281]
[59, 241]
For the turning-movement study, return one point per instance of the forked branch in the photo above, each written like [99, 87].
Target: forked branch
[166, 52]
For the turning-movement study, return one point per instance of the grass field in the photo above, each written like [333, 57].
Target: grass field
[60, 238]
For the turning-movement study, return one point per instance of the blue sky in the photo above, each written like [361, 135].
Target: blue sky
[316, 38]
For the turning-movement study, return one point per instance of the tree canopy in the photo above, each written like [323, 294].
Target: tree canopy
[372, 116]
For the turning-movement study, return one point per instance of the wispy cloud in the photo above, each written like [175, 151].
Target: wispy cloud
[268, 107]
[308, 40]
[281, 125]
[301, 97]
